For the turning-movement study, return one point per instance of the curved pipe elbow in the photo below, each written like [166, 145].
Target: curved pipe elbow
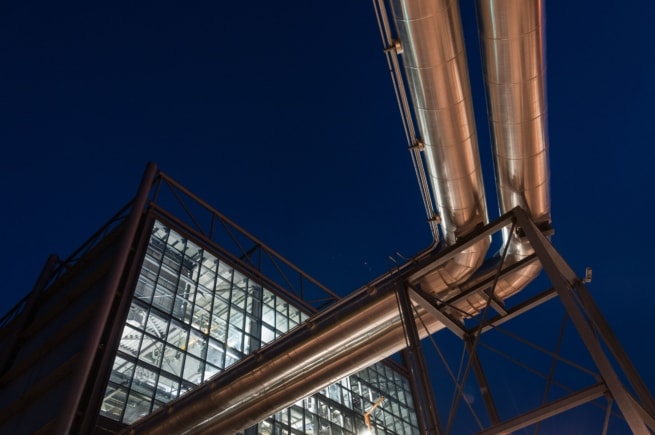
[443, 281]
[435, 65]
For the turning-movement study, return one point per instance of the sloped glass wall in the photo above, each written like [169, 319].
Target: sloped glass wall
[193, 315]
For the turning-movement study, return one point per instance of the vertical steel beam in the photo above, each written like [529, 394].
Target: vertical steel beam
[487, 397]
[407, 359]
[564, 280]
[426, 405]
[87, 356]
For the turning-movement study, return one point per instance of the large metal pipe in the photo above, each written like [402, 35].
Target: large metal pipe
[512, 41]
[352, 335]
[434, 57]
[512, 38]
[366, 327]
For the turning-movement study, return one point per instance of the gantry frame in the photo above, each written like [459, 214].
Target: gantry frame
[638, 409]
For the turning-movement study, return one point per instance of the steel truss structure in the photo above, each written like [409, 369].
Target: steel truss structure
[343, 335]
[617, 380]
[613, 376]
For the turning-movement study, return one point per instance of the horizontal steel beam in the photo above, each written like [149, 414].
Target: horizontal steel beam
[453, 325]
[549, 410]
[516, 311]
[462, 244]
[488, 281]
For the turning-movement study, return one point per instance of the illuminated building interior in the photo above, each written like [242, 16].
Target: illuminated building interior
[193, 315]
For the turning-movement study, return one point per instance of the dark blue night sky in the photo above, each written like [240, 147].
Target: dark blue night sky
[283, 116]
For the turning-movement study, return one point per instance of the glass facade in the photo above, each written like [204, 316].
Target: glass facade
[193, 315]
[339, 409]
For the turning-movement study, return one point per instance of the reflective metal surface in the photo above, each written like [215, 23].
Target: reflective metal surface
[349, 337]
[512, 41]
[366, 327]
[434, 58]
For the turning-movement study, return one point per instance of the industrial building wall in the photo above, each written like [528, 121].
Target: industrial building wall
[45, 342]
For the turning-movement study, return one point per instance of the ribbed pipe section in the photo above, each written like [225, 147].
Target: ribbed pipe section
[512, 41]
[434, 58]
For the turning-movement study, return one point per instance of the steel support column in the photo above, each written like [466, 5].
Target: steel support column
[564, 280]
[485, 390]
[614, 346]
[426, 407]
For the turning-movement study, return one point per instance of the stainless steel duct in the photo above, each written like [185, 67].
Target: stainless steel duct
[352, 335]
[434, 57]
[512, 40]
[366, 327]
